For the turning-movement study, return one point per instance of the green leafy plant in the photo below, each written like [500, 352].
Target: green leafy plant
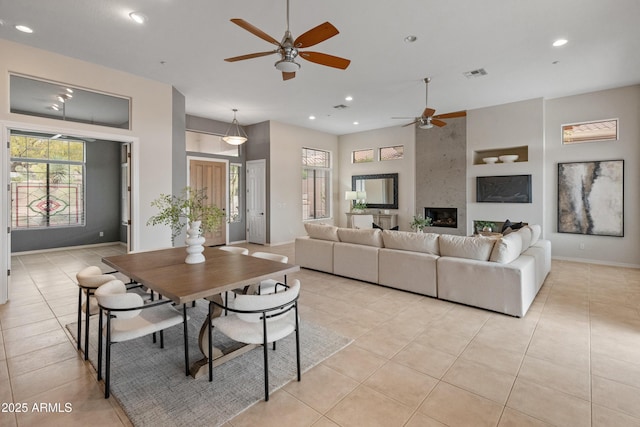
[481, 225]
[418, 223]
[360, 206]
[191, 205]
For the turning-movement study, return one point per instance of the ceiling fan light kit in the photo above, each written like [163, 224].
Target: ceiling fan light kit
[288, 47]
[235, 134]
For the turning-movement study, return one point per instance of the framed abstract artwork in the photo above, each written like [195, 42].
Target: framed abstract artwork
[591, 198]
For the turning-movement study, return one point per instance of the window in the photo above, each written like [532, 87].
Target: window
[47, 182]
[603, 130]
[316, 184]
[392, 153]
[234, 193]
[362, 156]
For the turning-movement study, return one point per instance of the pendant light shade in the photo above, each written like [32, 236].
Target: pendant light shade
[235, 134]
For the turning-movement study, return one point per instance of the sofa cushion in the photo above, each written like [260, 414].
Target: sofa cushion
[536, 232]
[525, 234]
[507, 248]
[415, 242]
[478, 248]
[322, 231]
[372, 237]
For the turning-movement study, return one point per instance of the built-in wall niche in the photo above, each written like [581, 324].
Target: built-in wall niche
[522, 152]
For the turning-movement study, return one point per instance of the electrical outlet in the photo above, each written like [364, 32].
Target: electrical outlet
[581, 245]
[102, 234]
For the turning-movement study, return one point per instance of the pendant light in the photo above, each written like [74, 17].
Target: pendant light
[235, 134]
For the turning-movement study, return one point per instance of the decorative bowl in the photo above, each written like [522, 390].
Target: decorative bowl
[490, 160]
[509, 158]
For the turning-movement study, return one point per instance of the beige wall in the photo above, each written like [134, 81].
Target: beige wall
[500, 127]
[623, 104]
[151, 123]
[286, 143]
[405, 168]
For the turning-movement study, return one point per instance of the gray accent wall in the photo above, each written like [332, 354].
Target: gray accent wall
[441, 165]
[178, 136]
[102, 204]
[258, 147]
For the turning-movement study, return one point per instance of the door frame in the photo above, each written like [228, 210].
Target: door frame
[226, 185]
[267, 212]
[5, 222]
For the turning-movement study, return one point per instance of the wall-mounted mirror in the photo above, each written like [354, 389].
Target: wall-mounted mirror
[381, 189]
[60, 101]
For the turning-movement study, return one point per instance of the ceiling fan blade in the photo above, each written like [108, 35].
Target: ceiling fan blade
[428, 112]
[324, 59]
[288, 76]
[255, 31]
[316, 35]
[437, 122]
[405, 118]
[412, 123]
[451, 115]
[250, 55]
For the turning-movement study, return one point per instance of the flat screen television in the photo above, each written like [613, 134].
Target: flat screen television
[503, 189]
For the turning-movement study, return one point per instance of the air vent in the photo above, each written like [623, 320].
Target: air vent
[340, 107]
[475, 73]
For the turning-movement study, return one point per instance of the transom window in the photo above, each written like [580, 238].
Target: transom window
[362, 156]
[47, 181]
[316, 184]
[392, 153]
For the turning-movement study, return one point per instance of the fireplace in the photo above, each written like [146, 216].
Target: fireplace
[442, 217]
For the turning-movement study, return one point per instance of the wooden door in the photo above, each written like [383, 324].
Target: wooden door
[211, 176]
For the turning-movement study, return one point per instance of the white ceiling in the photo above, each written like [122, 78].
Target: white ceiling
[184, 43]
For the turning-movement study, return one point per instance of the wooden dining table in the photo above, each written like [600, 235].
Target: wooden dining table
[166, 273]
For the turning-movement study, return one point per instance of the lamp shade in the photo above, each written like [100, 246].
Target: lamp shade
[350, 195]
[362, 194]
[235, 134]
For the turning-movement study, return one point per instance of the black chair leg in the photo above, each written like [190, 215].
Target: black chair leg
[186, 339]
[100, 345]
[266, 360]
[107, 376]
[297, 341]
[79, 316]
[209, 331]
[87, 311]
[161, 339]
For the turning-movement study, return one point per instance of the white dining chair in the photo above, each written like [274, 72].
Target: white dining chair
[235, 249]
[362, 221]
[89, 279]
[270, 286]
[128, 317]
[259, 319]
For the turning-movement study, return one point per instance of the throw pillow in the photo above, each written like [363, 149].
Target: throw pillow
[525, 234]
[507, 249]
[507, 224]
[396, 228]
[376, 226]
[369, 237]
[322, 232]
[536, 231]
[407, 241]
[517, 225]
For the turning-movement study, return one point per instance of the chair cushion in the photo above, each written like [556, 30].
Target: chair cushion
[478, 248]
[371, 237]
[322, 231]
[92, 277]
[415, 242]
[507, 248]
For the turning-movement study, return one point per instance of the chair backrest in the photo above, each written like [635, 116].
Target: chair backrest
[272, 257]
[235, 250]
[362, 221]
[92, 277]
[113, 295]
[266, 302]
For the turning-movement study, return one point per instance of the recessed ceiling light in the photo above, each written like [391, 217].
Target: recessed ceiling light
[312, 117]
[410, 39]
[69, 90]
[140, 18]
[24, 29]
[349, 98]
[356, 123]
[560, 42]
[55, 107]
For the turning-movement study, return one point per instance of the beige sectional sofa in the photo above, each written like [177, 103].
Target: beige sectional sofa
[502, 274]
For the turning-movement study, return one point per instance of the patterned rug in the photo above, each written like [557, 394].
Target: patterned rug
[151, 386]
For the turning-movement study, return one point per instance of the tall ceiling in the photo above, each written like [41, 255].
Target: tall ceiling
[184, 43]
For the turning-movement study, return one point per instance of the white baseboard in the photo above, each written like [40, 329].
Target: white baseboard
[67, 248]
[596, 261]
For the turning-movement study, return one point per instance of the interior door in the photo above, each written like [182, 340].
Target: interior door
[212, 177]
[256, 202]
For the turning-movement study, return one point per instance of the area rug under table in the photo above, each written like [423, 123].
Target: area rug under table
[151, 386]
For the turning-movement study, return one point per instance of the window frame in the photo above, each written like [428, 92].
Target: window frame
[363, 150]
[328, 182]
[393, 147]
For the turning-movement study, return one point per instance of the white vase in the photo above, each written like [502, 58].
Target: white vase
[194, 243]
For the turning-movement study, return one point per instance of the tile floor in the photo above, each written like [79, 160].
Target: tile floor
[574, 360]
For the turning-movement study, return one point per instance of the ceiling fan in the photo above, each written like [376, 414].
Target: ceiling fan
[288, 47]
[427, 120]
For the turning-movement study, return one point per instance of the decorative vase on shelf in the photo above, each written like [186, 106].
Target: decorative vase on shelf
[194, 243]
